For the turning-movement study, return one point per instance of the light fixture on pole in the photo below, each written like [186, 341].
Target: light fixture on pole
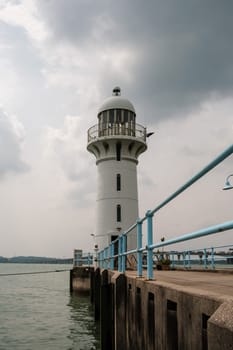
[96, 236]
[228, 185]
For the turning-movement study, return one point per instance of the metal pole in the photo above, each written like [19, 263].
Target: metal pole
[173, 263]
[119, 253]
[112, 256]
[149, 216]
[189, 265]
[109, 256]
[139, 246]
[102, 259]
[205, 266]
[106, 257]
[184, 260]
[212, 259]
[123, 257]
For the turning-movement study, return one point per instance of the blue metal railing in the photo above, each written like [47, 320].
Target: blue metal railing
[84, 260]
[106, 257]
[205, 257]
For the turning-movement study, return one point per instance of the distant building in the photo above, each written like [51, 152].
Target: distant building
[116, 142]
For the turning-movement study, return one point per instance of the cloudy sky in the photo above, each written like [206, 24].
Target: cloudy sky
[59, 60]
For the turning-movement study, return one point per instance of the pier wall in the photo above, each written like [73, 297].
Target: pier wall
[80, 279]
[137, 314]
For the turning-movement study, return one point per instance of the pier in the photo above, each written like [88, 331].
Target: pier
[141, 307]
[176, 310]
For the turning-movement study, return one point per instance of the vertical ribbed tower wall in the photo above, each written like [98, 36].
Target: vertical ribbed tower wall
[116, 142]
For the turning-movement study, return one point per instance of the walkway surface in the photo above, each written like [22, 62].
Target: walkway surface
[219, 283]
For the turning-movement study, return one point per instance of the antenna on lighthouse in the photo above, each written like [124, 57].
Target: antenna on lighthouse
[116, 91]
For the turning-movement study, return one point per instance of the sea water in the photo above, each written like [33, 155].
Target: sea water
[38, 312]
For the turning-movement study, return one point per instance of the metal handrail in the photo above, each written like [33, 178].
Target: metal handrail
[86, 259]
[137, 131]
[106, 257]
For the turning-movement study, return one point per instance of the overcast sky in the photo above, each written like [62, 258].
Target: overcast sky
[59, 60]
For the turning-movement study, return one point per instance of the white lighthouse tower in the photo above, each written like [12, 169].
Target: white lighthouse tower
[116, 142]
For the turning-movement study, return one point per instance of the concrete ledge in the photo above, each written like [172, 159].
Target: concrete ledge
[220, 327]
[229, 270]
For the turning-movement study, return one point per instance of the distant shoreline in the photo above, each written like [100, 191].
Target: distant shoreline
[35, 260]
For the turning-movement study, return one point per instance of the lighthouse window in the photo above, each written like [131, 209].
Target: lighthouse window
[118, 182]
[125, 116]
[118, 212]
[118, 115]
[131, 116]
[105, 117]
[118, 151]
[111, 116]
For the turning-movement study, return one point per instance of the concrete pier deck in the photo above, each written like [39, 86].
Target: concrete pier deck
[218, 283]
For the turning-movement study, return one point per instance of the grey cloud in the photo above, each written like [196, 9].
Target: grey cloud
[10, 146]
[70, 20]
[83, 195]
[67, 147]
[183, 52]
[79, 171]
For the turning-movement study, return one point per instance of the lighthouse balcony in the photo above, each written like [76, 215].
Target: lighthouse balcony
[111, 130]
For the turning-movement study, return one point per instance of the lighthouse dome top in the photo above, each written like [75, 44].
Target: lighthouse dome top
[116, 101]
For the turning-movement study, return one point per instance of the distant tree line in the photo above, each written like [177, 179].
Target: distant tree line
[35, 260]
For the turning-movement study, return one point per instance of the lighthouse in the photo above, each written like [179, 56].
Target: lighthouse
[116, 142]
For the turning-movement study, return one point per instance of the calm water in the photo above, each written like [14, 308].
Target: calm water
[38, 312]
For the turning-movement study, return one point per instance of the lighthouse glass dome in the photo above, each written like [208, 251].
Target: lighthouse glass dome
[116, 116]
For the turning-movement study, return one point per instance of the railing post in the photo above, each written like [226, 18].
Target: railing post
[119, 253]
[109, 256]
[212, 259]
[189, 264]
[100, 259]
[205, 259]
[103, 258]
[123, 257]
[112, 256]
[106, 257]
[149, 216]
[139, 246]
[184, 259]
[173, 263]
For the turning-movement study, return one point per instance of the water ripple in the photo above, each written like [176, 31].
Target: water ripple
[38, 312]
